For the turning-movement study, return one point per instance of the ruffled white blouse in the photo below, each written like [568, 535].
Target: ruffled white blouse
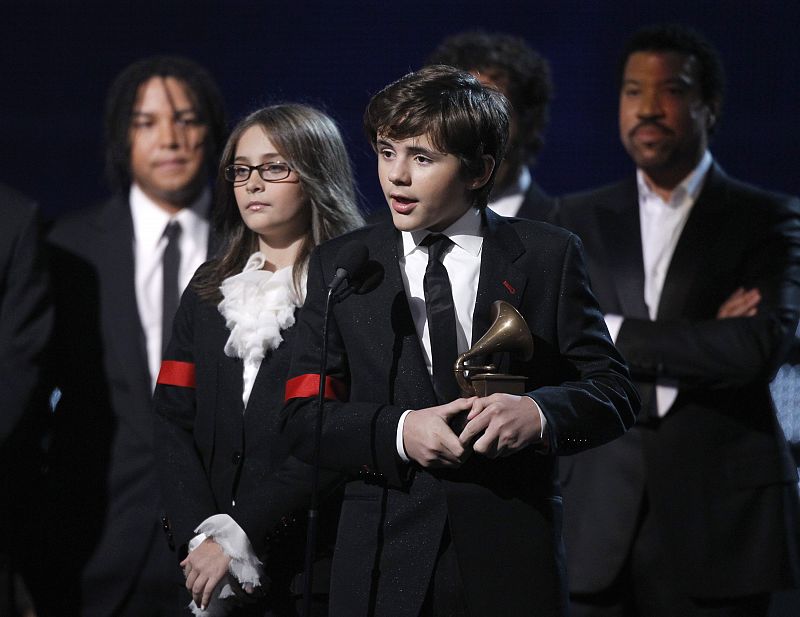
[257, 305]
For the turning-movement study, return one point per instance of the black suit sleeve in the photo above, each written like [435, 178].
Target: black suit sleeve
[25, 310]
[273, 509]
[186, 490]
[188, 495]
[358, 437]
[720, 353]
[597, 402]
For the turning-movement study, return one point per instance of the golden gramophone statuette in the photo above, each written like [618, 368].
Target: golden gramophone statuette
[508, 333]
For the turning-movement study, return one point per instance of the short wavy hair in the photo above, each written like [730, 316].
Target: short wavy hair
[457, 113]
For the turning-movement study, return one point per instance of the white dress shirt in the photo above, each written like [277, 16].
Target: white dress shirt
[509, 203]
[661, 225]
[149, 242]
[463, 264]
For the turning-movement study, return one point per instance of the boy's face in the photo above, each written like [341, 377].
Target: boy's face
[425, 188]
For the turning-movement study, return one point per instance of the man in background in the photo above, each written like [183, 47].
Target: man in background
[119, 269]
[509, 64]
[695, 510]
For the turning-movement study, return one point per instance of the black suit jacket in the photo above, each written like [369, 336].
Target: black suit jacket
[717, 471]
[25, 325]
[103, 505]
[504, 515]
[215, 456]
[537, 205]
[25, 310]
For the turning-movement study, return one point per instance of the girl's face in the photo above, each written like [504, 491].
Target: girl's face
[277, 211]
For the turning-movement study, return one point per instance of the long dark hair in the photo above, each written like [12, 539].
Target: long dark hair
[313, 147]
[121, 98]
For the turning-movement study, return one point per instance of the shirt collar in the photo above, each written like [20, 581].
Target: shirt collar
[150, 220]
[520, 187]
[466, 233]
[688, 188]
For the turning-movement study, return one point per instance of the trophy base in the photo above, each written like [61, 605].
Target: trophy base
[489, 383]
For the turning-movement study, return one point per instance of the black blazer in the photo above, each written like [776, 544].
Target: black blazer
[213, 455]
[26, 319]
[537, 205]
[720, 480]
[103, 500]
[504, 515]
[25, 309]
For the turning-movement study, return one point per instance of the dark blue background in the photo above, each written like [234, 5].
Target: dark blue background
[58, 59]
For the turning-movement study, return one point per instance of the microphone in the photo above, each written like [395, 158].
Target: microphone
[350, 259]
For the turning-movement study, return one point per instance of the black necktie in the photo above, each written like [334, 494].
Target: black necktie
[441, 319]
[170, 264]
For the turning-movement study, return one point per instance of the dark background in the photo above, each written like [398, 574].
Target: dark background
[58, 59]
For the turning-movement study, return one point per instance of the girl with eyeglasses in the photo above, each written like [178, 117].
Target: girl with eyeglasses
[284, 186]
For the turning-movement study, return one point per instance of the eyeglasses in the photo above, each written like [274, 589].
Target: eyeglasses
[269, 172]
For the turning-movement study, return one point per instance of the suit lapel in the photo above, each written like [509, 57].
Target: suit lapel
[695, 239]
[500, 279]
[619, 228]
[118, 275]
[230, 411]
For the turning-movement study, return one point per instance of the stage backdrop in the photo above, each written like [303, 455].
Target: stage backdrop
[58, 59]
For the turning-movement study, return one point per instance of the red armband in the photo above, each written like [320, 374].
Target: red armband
[174, 373]
[307, 385]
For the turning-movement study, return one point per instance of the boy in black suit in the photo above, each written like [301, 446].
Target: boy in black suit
[435, 522]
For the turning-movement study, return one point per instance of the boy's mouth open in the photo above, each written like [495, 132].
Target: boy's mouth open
[402, 204]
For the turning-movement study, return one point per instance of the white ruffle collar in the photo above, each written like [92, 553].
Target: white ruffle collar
[257, 305]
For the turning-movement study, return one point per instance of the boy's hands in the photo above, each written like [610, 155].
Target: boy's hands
[507, 422]
[429, 440]
[497, 425]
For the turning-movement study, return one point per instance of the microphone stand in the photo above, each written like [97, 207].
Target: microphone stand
[313, 507]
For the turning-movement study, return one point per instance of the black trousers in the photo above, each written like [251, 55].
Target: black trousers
[445, 595]
[646, 587]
